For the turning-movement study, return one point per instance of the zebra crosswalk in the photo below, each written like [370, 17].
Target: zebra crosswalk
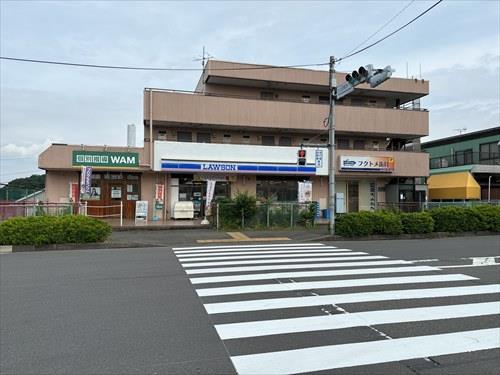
[306, 307]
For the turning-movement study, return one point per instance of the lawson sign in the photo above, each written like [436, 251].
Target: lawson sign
[192, 166]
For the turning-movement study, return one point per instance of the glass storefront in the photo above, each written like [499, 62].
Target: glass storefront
[194, 190]
[279, 188]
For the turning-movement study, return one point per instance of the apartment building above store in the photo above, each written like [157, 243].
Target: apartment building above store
[245, 97]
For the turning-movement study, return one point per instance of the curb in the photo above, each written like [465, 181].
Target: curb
[423, 236]
[87, 246]
[160, 227]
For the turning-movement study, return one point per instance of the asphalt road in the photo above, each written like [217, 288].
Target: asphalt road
[135, 311]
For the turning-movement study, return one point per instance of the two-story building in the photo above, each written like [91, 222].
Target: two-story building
[243, 126]
[465, 166]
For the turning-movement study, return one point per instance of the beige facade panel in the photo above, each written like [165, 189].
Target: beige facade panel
[211, 110]
[57, 185]
[59, 156]
[406, 164]
[305, 76]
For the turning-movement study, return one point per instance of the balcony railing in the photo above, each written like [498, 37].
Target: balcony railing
[404, 107]
[470, 158]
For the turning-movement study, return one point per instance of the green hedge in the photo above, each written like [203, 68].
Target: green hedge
[443, 219]
[44, 230]
[417, 222]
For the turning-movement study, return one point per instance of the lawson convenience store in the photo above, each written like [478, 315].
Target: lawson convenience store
[180, 171]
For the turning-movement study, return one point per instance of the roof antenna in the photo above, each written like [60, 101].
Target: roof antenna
[203, 58]
[460, 131]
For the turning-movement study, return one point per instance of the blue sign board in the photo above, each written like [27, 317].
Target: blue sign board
[217, 167]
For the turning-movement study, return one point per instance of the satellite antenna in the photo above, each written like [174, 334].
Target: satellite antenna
[460, 131]
[204, 57]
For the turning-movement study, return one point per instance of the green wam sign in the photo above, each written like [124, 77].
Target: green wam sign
[106, 159]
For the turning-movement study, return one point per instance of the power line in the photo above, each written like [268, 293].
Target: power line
[122, 67]
[388, 35]
[382, 27]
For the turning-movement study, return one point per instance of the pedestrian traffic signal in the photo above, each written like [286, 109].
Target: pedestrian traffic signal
[301, 157]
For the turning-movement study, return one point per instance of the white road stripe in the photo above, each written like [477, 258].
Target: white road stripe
[295, 266]
[271, 261]
[182, 249]
[265, 256]
[281, 275]
[366, 353]
[469, 265]
[335, 299]
[281, 287]
[324, 249]
[340, 321]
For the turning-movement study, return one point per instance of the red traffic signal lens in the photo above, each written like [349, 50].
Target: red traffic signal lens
[301, 153]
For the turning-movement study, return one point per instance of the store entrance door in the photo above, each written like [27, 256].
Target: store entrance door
[352, 196]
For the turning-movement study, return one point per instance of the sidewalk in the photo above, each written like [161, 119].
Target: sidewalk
[174, 237]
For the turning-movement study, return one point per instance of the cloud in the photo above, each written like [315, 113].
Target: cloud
[24, 149]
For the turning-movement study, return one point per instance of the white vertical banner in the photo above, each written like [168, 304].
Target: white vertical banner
[305, 192]
[86, 180]
[210, 195]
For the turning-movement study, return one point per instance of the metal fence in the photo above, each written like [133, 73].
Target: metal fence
[272, 215]
[27, 209]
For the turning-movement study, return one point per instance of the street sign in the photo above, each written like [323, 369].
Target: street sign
[343, 90]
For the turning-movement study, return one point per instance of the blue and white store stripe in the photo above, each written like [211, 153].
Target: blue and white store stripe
[305, 307]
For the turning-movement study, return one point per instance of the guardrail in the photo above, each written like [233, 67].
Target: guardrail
[28, 209]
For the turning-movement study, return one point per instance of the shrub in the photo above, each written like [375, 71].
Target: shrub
[386, 222]
[490, 216]
[232, 212]
[354, 224]
[448, 219]
[43, 230]
[417, 222]
[307, 215]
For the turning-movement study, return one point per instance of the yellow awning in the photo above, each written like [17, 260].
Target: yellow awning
[460, 185]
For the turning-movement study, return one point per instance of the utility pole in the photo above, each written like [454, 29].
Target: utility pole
[332, 86]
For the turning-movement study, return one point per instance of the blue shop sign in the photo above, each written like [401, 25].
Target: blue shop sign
[186, 166]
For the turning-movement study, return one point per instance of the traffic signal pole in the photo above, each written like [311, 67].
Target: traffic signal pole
[331, 147]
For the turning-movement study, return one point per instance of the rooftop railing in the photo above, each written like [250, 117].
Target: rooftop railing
[403, 107]
[468, 158]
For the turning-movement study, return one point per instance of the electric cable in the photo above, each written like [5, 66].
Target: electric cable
[388, 35]
[382, 27]
[122, 67]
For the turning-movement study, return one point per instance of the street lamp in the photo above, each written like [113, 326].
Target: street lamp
[364, 74]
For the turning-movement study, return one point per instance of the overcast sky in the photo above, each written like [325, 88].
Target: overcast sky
[457, 46]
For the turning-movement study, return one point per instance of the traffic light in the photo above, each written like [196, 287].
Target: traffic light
[379, 76]
[301, 157]
[367, 74]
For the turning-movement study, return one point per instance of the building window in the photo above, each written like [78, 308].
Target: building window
[226, 138]
[246, 139]
[306, 98]
[488, 151]
[359, 144]
[184, 137]
[285, 141]
[342, 143]
[162, 135]
[203, 137]
[267, 95]
[463, 157]
[278, 189]
[358, 101]
[268, 140]
[324, 100]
